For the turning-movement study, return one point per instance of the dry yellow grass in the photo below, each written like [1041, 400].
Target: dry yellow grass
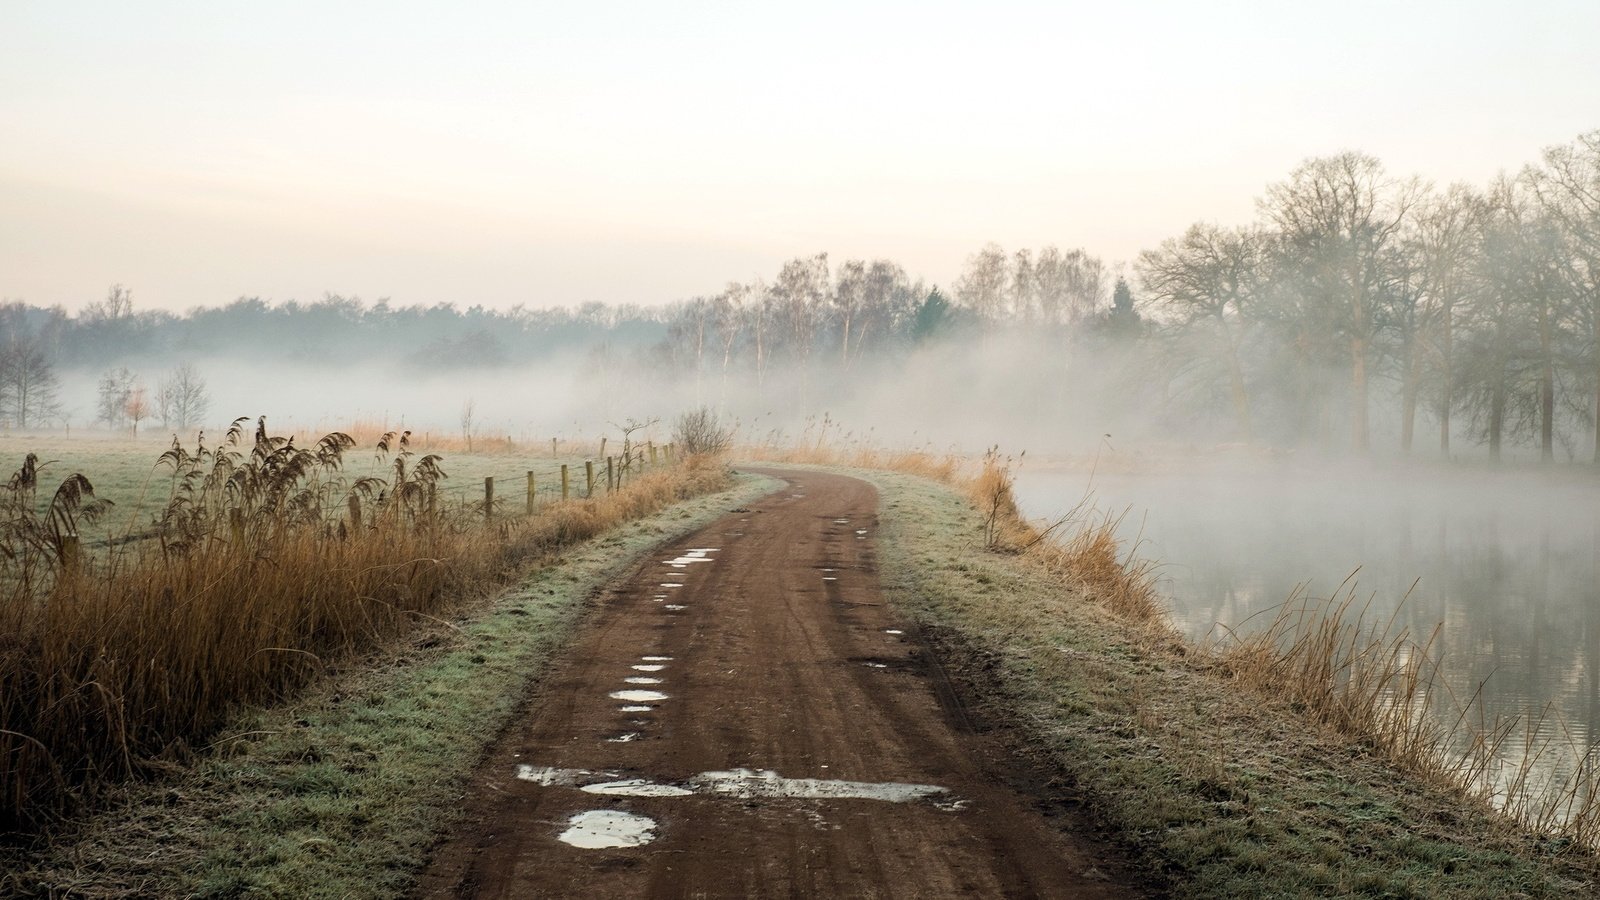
[269, 565]
[1371, 682]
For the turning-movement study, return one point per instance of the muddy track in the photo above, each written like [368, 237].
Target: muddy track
[789, 737]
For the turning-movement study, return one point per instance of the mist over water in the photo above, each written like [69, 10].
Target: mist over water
[1507, 562]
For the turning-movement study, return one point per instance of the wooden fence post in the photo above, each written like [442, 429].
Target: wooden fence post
[602, 446]
[652, 446]
[530, 492]
[563, 481]
[552, 448]
[611, 475]
[588, 477]
[488, 498]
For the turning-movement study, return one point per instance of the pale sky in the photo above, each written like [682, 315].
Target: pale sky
[544, 154]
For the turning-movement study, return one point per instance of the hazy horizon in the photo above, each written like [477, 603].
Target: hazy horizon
[642, 154]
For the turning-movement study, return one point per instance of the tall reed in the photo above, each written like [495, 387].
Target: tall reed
[265, 565]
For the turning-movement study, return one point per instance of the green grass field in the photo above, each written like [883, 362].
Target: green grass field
[127, 472]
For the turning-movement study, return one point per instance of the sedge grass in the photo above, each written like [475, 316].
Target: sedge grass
[269, 564]
[1328, 661]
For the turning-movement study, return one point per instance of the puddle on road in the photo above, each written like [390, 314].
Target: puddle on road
[641, 679]
[635, 707]
[893, 631]
[600, 829]
[656, 658]
[876, 665]
[626, 738]
[675, 607]
[861, 531]
[829, 578]
[748, 783]
[638, 696]
[654, 668]
[672, 584]
[743, 784]
[841, 521]
[635, 787]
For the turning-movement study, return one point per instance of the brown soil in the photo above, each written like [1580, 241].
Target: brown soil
[773, 668]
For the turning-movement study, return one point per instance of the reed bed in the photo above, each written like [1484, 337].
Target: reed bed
[1370, 681]
[267, 565]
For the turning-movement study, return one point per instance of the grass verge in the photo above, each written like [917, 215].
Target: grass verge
[341, 792]
[1221, 790]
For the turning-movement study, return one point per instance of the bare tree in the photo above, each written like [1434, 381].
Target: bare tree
[982, 287]
[1568, 188]
[849, 299]
[28, 385]
[1207, 281]
[136, 407]
[801, 296]
[111, 404]
[181, 398]
[1337, 216]
[1443, 234]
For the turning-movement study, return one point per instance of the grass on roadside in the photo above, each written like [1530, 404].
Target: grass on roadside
[1222, 794]
[342, 792]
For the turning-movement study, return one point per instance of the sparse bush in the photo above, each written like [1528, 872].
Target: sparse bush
[700, 431]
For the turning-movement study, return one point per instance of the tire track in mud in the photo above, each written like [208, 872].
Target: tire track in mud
[745, 717]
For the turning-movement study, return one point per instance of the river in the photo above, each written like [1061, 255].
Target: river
[1507, 562]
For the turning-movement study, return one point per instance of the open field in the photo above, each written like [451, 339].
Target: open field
[127, 472]
[341, 791]
[263, 564]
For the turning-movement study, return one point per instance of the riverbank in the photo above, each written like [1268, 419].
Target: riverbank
[342, 791]
[1221, 791]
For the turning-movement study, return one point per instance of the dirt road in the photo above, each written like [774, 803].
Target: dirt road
[746, 718]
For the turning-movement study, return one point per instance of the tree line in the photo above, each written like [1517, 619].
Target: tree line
[1355, 294]
[1356, 303]
[1477, 307]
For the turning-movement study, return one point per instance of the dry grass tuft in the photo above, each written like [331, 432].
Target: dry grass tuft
[1376, 684]
[268, 564]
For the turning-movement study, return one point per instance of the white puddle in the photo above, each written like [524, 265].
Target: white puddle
[829, 578]
[672, 584]
[746, 783]
[656, 658]
[841, 521]
[701, 551]
[893, 631]
[635, 707]
[641, 679]
[638, 696]
[675, 606]
[682, 561]
[628, 738]
[599, 829]
[861, 531]
[743, 784]
[876, 665]
[635, 787]
[653, 668]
